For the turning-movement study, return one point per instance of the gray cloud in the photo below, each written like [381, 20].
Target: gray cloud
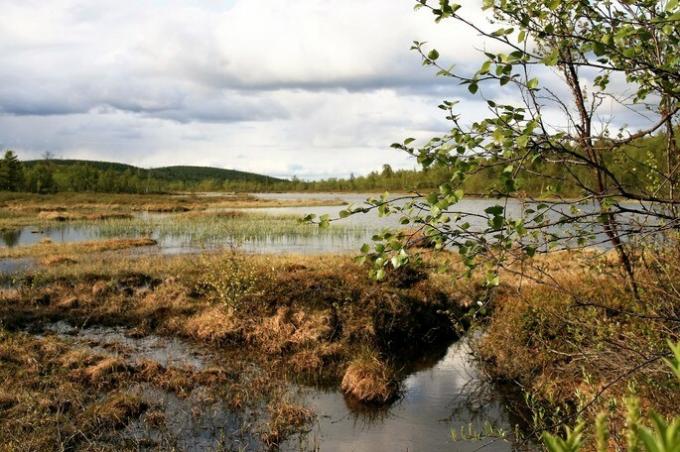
[308, 88]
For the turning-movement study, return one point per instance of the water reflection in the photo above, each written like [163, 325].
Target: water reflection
[438, 399]
[10, 237]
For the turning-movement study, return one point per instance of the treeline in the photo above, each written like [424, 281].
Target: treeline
[639, 166]
[52, 176]
[47, 177]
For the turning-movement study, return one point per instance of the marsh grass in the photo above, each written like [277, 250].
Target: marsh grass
[210, 227]
[56, 253]
[192, 231]
[369, 378]
[299, 315]
[582, 341]
[23, 209]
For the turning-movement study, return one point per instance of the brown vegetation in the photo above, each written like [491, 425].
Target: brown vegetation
[581, 340]
[53, 252]
[370, 379]
[309, 316]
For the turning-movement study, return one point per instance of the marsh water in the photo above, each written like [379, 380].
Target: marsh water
[347, 235]
[444, 393]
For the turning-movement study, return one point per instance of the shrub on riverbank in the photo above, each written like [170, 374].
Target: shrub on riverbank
[582, 342]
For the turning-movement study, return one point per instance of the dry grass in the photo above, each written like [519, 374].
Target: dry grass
[582, 331]
[57, 260]
[23, 209]
[286, 418]
[58, 396]
[53, 252]
[104, 370]
[61, 216]
[214, 325]
[117, 410]
[311, 316]
[369, 379]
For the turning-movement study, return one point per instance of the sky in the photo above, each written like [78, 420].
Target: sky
[306, 88]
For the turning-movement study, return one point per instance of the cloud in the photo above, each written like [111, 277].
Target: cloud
[308, 88]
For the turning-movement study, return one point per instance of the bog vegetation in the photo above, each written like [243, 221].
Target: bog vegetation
[588, 335]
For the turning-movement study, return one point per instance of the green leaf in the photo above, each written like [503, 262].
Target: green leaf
[552, 58]
[485, 67]
[522, 36]
[494, 210]
[553, 4]
[492, 280]
[433, 55]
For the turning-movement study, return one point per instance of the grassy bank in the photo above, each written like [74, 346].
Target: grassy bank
[264, 319]
[52, 250]
[580, 343]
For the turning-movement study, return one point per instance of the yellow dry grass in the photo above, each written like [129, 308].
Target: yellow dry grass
[369, 379]
[50, 249]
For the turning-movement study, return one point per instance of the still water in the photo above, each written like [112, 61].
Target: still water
[442, 394]
[352, 232]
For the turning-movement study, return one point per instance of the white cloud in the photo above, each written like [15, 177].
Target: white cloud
[308, 87]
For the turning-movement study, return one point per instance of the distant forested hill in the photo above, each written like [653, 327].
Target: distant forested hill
[44, 176]
[200, 173]
[170, 173]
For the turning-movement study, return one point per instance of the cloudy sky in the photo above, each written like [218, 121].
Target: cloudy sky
[306, 87]
[312, 88]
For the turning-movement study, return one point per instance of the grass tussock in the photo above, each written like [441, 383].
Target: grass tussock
[61, 216]
[369, 379]
[215, 325]
[117, 410]
[285, 419]
[57, 260]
